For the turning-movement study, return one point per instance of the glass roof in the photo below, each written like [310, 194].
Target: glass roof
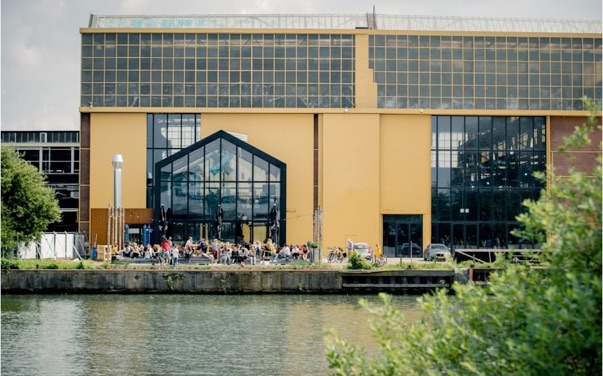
[349, 21]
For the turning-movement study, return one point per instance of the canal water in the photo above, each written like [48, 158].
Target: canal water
[180, 334]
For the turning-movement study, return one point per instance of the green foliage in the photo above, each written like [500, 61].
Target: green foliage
[49, 264]
[9, 264]
[357, 262]
[311, 244]
[28, 206]
[526, 320]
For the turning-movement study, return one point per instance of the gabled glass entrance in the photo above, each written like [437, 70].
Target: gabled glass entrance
[221, 188]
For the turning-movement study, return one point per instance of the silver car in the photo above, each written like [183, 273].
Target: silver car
[363, 250]
[437, 251]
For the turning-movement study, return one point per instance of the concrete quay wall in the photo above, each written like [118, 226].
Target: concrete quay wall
[224, 281]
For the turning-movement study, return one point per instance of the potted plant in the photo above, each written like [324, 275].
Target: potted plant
[313, 247]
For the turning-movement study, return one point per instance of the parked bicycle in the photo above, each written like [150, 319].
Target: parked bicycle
[336, 254]
[381, 260]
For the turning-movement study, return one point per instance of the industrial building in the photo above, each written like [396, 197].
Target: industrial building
[374, 128]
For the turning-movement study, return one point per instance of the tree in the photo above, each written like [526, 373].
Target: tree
[28, 205]
[527, 320]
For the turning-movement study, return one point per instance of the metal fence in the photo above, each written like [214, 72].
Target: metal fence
[55, 245]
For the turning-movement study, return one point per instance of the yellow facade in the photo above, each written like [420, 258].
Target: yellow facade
[405, 161]
[350, 178]
[123, 134]
[370, 165]
[287, 137]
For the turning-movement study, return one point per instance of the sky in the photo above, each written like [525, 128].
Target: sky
[40, 39]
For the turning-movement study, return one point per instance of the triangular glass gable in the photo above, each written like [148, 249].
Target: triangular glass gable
[220, 188]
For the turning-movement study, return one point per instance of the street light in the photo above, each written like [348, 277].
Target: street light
[117, 163]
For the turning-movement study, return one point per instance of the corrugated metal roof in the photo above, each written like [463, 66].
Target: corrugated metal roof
[349, 21]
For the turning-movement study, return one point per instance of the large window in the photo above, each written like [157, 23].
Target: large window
[485, 72]
[167, 134]
[482, 169]
[221, 173]
[217, 70]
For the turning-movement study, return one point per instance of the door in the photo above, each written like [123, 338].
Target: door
[403, 235]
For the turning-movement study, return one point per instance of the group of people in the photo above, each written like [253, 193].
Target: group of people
[217, 252]
[166, 253]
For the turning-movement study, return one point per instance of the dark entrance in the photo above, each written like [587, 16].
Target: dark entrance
[403, 235]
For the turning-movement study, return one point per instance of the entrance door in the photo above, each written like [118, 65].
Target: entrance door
[403, 235]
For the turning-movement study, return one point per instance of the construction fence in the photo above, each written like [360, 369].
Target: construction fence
[55, 245]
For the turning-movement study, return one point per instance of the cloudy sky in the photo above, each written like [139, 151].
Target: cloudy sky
[40, 40]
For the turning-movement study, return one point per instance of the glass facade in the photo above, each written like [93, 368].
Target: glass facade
[217, 70]
[224, 171]
[167, 134]
[43, 137]
[482, 169]
[485, 72]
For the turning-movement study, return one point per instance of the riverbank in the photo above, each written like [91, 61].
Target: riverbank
[229, 281]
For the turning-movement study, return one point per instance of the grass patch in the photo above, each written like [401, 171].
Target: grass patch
[48, 264]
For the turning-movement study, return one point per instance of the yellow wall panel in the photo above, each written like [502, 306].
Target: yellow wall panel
[289, 138]
[350, 178]
[406, 167]
[124, 134]
[366, 88]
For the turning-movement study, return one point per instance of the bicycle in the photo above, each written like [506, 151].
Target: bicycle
[381, 260]
[335, 255]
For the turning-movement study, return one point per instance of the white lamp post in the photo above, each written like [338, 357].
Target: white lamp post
[117, 163]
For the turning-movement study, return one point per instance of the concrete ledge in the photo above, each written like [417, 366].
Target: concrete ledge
[172, 281]
[223, 281]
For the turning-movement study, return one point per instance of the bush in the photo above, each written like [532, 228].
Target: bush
[525, 321]
[51, 265]
[357, 262]
[9, 264]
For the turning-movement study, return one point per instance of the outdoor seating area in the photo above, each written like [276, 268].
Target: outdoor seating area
[169, 254]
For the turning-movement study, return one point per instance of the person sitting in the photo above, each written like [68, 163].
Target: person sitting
[243, 255]
[135, 251]
[305, 252]
[189, 248]
[294, 252]
[274, 253]
[148, 251]
[156, 251]
[127, 252]
[215, 249]
[208, 256]
[203, 246]
[235, 255]
[249, 255]
[285, 252]
[225, 258]
[257, 247]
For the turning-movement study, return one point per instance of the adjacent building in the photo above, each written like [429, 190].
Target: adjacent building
[373, 128]
[56, 154]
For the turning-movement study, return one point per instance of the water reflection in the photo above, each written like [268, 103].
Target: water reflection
[179, 334]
